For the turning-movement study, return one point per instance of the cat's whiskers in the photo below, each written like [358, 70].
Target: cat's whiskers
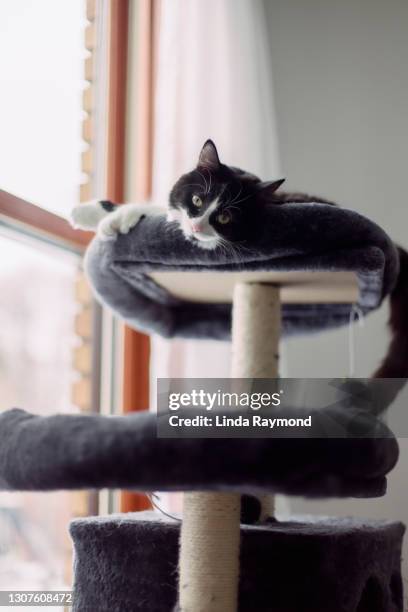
[221, 247]
[194, 185]
[241, 251]
[242, 200]
[238, 194]
[230, 207]
[235, 249]
[230, 249]
[205, 182]
[210, 178]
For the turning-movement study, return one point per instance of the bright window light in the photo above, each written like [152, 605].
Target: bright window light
[41, 81]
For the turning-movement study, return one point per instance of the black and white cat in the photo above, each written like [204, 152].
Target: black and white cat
[214, 204]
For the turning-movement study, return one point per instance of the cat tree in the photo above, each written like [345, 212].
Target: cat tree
[310, 264]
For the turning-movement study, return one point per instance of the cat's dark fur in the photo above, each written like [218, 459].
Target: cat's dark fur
[241, 194]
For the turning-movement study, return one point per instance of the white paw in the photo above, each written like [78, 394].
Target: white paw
[87, 215]
[120, 222]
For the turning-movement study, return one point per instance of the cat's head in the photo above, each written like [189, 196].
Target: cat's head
[215, 203]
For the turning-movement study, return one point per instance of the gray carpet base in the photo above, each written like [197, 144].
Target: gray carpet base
[128, 562]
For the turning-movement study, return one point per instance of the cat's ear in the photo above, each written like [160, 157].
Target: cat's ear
[268, 188]
[209, 157]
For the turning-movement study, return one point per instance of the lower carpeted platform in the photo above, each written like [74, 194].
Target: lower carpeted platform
[128, 563]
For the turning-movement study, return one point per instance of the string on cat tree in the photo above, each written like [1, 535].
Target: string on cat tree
[355, 314]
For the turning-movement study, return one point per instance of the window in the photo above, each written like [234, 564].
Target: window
[46, 341]
[59, 351]
[41, 74]
[37, 340]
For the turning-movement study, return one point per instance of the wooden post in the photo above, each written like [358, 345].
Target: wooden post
[210, 532]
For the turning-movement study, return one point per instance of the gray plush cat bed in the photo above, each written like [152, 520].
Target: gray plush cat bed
[129, 562]
[297, 237]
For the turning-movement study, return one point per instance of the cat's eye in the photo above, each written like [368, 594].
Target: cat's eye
[197, 201]
[224, 218]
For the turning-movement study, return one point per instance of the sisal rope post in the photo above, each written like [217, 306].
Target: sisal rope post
[209, 553]
[210, 531]
[256, 328]
[255, 331]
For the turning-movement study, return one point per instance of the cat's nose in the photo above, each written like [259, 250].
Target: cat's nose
[195, 227]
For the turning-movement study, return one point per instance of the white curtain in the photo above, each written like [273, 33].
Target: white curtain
[213, 80]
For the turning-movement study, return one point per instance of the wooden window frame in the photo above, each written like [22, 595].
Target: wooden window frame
[136, 392]
[31, 218]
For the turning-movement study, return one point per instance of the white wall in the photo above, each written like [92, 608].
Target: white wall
[341, 86]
